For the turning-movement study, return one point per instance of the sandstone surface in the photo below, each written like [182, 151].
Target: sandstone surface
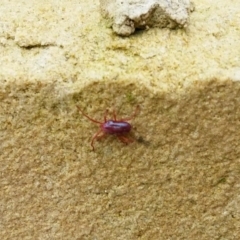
[180, 177]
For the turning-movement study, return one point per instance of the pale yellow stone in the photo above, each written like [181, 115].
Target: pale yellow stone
[126, 16]
[178, 180]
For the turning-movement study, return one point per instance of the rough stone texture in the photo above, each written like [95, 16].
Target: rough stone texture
[178, 180]
[126, 16]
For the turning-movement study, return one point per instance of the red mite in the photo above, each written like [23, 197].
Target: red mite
[112, 126]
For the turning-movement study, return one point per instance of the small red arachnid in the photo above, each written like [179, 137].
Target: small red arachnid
[113, 126]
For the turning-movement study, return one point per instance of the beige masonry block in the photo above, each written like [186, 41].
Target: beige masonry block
[126, 16]
[179, 179]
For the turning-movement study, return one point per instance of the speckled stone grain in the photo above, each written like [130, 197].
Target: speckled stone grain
[179, 179]
[126, 16]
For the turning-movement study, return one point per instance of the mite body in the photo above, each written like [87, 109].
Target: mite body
[113, 127]
[116, 127]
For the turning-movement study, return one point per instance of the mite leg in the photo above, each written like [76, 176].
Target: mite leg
[95, 136]
[114, 115]
[125, 139]
[105, 115]
[84, 114]
[133, 115]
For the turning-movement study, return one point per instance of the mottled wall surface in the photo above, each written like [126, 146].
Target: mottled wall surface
[179, 179]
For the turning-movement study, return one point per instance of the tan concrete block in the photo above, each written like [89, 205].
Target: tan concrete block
[179, 179]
